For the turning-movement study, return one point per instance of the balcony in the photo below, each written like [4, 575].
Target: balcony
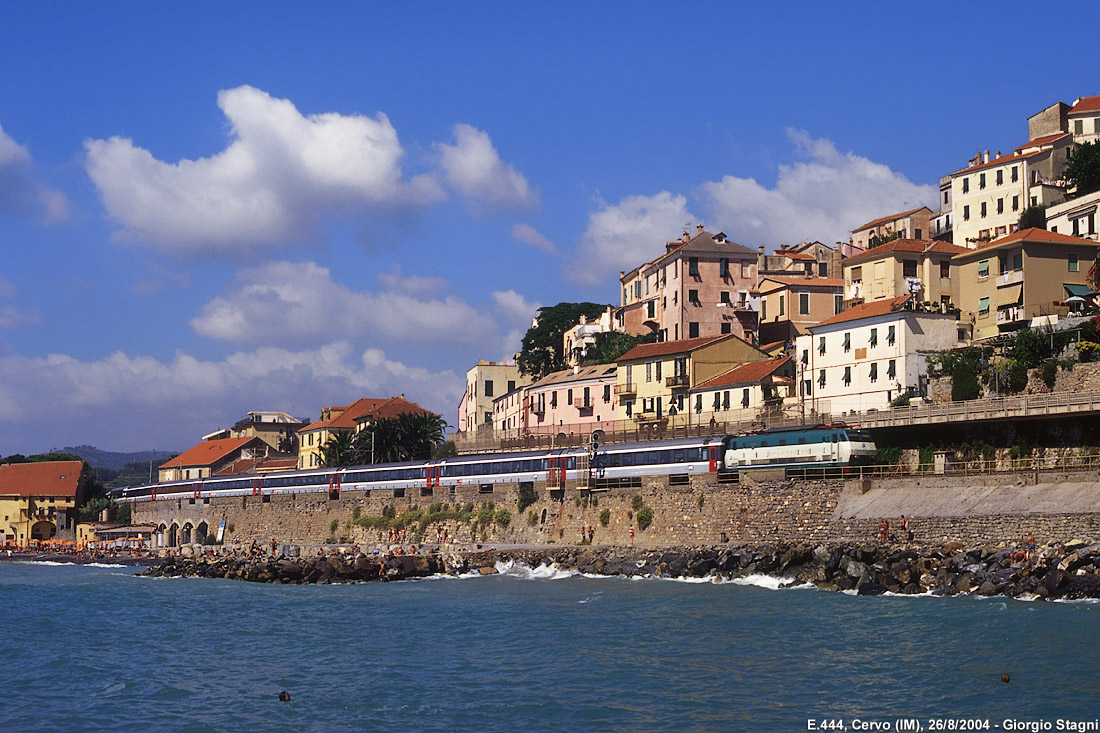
[679, 381]
[626, 388]
[1010, 315]
[1011, 277]
[583, 404]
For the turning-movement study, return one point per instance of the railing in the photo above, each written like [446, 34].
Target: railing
[1010, 278]
[956, 467]
[678, 380]
[626, 388]
[995, 408]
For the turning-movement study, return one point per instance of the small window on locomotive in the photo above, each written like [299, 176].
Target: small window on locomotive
[802, 441]
[571, 462]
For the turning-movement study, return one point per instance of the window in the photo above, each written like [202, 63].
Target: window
[916, 233]
[823, 269]
[724, 267]
[651, 309]
[1000, 206]
[805, 356]
[511, 385]
[782, 305]
[488, 388]
[726, 400]
[1073, 263]
[821, 378]
[607, 393]
[892, 369]
[847, 375]
[1078, 127]
[569, 397]
[804, 304]
[983, 306]
[966, 213]
[909, 268]
[857, 274]
[981, 181]
[821, 347]
[891, 335]
[763, 309]
[1015, 174]
[629, 407]
[657, 370]
[693, 266]
[983, 268]
[1015, 203]
[945, 269]
[983, 209]
[847, 343]
[874, 337]
[874, 371]
[698, 403]
[693, 330]
[1018, 261]
[966, 185]
[717, 401]
[725, 297]
[744, 398]
[838, 304]
[693, 297]
[649, 371]
[554, 398]
[726, 328]
[1000, 177]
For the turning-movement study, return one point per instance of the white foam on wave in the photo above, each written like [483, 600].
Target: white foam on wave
[542, 572]
[771, 582]
[56, 564]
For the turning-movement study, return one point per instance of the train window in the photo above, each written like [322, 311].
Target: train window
[834, 437]
[679, 455]
[628, 459]
[782, 441]
[802, 441]
[763, 444]
[570, 462]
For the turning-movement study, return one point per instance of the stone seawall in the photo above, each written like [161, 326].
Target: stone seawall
[973, 510]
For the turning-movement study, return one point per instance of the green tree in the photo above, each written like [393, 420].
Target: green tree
[1083, 169]
[541, 351]
[964, 366]
[406, 437]
[337, 451]
[1033, 216]
[877, 241]
[610, 345]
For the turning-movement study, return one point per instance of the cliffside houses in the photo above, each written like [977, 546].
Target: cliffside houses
[38, 500]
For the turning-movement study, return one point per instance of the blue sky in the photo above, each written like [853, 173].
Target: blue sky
[210, 208]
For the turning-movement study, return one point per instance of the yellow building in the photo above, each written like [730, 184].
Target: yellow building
[902, 267]
[1030, 273]
[348, 419]
[653, 380]
[38, 500]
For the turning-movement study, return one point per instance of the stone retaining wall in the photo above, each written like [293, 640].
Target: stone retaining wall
[702, 512]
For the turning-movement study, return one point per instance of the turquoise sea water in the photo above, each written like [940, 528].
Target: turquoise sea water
[95, 648]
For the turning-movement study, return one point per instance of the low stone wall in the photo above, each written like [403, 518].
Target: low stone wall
[973, 510]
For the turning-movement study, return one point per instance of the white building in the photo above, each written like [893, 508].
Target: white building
[1076, 217]
[869, 354]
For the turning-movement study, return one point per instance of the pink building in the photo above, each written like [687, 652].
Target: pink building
[574, 400]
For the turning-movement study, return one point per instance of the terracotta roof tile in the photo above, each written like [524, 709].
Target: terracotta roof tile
[663, 348]
[807, 282]
[373, 407]
[865, 310]
[1044, 140]
[1003, 160]
[914, 246]
[1085, 104]
[50, 478]
[891, 217]
[749, 373]
[208, 452]
[1032, 234]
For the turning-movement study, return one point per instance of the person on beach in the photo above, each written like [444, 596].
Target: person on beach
[632, 534]
[1030, 546]
[904, 529]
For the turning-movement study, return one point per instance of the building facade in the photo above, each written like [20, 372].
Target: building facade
[38, 500]
[700, 287]
[870, 354]
[484, 383]
[806, 259]
[346, 419]
[1083, 120]
[578, 340]
[1076, 217]
[790, 305]
[580, 399]
[902, 267]
[911, 224]
[756, 386]
[1028, 274]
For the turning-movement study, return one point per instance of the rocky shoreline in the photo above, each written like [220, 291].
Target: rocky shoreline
[1058, 571]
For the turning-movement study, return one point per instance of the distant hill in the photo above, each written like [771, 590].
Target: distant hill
[117, 461]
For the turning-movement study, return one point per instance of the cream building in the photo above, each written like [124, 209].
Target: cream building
[577, 340]
[1076, 217]
[484, 383]
[912, 224]
[1008, 282]
[756, 386]
[38, 500]
[1083, 120]
[902, 267]
[866, 356]
[789, 305]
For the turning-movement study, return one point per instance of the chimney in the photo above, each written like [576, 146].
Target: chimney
[103, 515]
[998, 155]
[698, 229]
[576, 369]
[985, 158]
[687, 238]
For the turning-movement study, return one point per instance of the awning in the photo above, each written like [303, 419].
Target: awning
[1012, 295]
[1074, 289]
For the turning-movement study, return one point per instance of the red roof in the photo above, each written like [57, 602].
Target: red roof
[1045, 140]
[796, 255]
[915, 246]
[866, 310]
[891, 217]
[663, 348]
[1003, 160]
[50, 478]
[365, 407]
[749, 373]
[773, 345]
[1086, 104]
[1032, 234]
[208, 452]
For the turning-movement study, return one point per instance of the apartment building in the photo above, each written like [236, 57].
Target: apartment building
[38, 500]
[1083, 120]
[653, 380]
[902, 267]
[1075, 217]
[484, 383]
[211, 456]
[866, 356]
[806, 259]
[578, 399]
[577, 340]
[1006, 283]
[346, 419]
[758, 385]
[789, 305]
[700, 287]
[911, 224]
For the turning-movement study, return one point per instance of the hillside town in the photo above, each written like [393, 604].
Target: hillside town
[725, 338]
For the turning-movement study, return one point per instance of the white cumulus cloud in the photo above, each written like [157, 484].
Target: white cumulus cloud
[627, 234]
[823, 196]
[474, 169]
[20, 191]
[129, 402]
[299, 304]
[515, 313]
[280, 174]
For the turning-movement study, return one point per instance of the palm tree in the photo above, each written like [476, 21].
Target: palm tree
[337, 451]
[409, 436]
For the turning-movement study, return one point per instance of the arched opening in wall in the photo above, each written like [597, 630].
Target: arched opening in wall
[543, 520]
[200, 532]
[161, 540]
[186, 536]
[42, 530]
[173, 535]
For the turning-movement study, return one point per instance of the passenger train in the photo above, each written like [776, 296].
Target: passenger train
[592, 468]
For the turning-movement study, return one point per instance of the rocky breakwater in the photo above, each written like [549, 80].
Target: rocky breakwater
[348, 568]
[1060, 571]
